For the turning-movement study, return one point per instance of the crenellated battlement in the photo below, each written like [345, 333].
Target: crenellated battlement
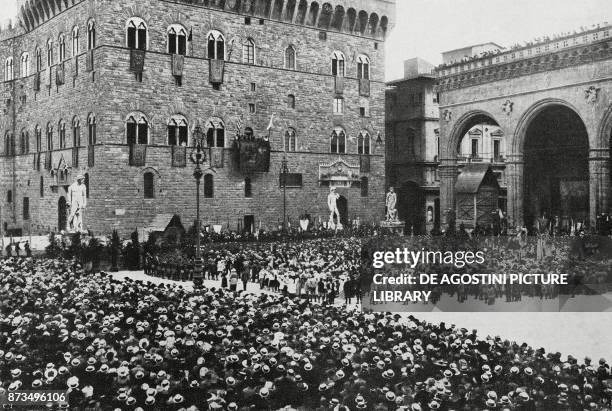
[370, 18]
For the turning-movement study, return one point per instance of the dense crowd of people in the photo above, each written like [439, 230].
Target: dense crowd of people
[132, 345]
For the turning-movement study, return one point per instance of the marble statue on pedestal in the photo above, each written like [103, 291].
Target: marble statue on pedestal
[332, 203]
[77, 202]
[390, 203]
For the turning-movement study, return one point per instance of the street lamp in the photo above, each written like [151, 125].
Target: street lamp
[284, 171]
[198, 157]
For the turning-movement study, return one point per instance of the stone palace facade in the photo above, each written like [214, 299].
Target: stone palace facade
[114, 90]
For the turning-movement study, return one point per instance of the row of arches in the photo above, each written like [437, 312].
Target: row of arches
[551, 172]
[324, 16]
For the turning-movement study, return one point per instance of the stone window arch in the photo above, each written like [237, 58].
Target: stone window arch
[25, 64]
[290, 140]
[177, 39]
[290, 58]
[215, 132]
[363, 67]
[137, 129]
[338, 141]
[38, 55]
[248, 51]
[337, 64]
[178, 134]
[61, 130]
[136, 33]
[61, 46]
[38, 135]
[91, 35]
[216, 45]
[291, 101]
[91, 129]
[24, 144]
[76, 132]
[75, 41]
[49, 136]
[9, 69]
[364, 143]
[49, 53]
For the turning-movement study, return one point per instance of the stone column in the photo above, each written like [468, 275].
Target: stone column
[515, 182]
[599, 182]
[448, 178]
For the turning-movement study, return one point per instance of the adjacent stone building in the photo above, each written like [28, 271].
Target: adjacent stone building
[114, 90]
[412, 126]
[549, 103]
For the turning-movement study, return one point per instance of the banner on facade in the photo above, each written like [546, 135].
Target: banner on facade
[364, 87]
[253, 155]
[137, 59]
[90, 60]
[178, 63]
[138, 155]
[179, 156]
[217, 68]
[216, 157]
[339, 85]
[59, 75]
[364, 163]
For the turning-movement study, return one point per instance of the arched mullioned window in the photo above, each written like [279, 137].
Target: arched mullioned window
[24, 144]
[177, 39]
[178, 134]
[76, 132]
[363, 67]
[364, 143]
[215, 133]
[136, 36]
[25, 65]
[248, 52]
[291, 101]
[61, 46]
[216, 45]
[91, 35]
[91, 129]
[137, 129]
[75, 41]
[49, 53]
[61, 129]
[38, 59]
[9, 69]
[337, 68]
[49, 136]
[38, 135]
[290, 141]
[290, 58]
[338, 141]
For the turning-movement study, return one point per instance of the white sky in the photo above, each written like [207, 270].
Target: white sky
[426, 28]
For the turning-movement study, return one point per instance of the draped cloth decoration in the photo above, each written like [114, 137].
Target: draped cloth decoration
[178, 63]
[37, 81]
[216, 157]
[49, 74]
[36, 162]
[75, 157]
[252, 155]
[364, 87]
[137, 60]
[217, 68]
[59, 75]
[179, 156]
[364, 163]
[90, 60]
[47, 160]
[75, 69]
[91, 159]
[339, 85]
[138, 155]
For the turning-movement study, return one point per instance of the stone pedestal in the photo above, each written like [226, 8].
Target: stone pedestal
[448, 178]
[396, 227]
[599, 182]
